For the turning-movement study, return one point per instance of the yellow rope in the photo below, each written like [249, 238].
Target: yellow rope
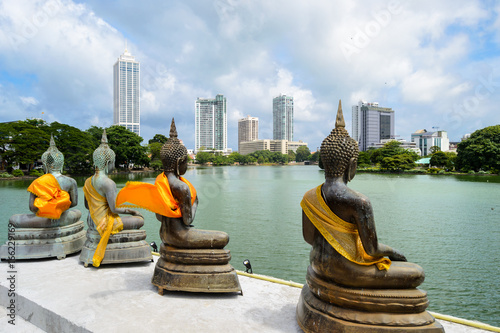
[436, 315]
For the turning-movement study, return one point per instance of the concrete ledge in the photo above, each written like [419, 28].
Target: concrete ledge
[64, 296]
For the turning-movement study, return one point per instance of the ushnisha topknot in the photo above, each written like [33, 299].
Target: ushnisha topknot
[172, 150]
[103, 155]
[338, 148]
[53, 159]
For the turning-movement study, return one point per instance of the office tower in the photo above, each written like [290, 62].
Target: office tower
[211, 124]
[371, 123]
[425, 140]
[248, 130]
[126, 106]
[283, 118]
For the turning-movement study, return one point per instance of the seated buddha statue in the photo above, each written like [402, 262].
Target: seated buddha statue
[126, 242]
[51, 197]
[353, 277]
[191, 259]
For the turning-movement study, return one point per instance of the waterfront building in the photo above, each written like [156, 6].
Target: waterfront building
[211, 124]
[283, 118]
[425, 140]
[248, 129]
[371, 123]
[126, 93]
[282, 146]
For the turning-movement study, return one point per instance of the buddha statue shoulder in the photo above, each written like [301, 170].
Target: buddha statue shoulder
[339, 223]
[51, 196]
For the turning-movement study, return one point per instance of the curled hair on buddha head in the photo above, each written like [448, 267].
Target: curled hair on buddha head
[103, 155]
[172, 150]
[338, 148]
[53, 159]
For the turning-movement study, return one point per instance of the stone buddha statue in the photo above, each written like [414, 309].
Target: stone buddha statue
[191, 259]
[111, 238]
[354, 283]
[52, 230]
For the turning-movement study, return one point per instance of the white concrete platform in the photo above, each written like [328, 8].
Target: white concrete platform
[64, 296]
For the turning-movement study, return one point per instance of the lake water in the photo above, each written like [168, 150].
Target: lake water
[450, 225]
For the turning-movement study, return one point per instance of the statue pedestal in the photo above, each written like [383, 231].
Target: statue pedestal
[195, 270]
[123, 247]
[37, 243]
[325, 307]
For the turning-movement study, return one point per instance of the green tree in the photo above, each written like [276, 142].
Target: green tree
[364, 159]
[96, 133]
[291, 155]
[398, 163]
[439, 159]
[434, 149]
[203, 157]
[127, 146]
[158, 138]
[481, 151]
[302, 153]
[154, 149]
[77, 147]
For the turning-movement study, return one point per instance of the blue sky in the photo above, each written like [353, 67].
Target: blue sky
[437, 64]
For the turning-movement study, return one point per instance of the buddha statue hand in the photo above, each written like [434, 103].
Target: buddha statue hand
[133, 213]
[397, 256]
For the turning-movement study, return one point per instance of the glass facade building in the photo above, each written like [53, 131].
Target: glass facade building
[211, 124]
[126, 93]
[371, 124]
[283, 118]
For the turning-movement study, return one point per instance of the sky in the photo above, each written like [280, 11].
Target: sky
[436, 63]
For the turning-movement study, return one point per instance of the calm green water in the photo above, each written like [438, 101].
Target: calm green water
[450, 225]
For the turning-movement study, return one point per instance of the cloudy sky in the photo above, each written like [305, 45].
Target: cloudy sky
[436, 63]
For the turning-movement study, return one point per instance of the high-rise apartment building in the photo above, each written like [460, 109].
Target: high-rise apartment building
[248, 130]
[211, 124]
[283, 118]
[371, 123]
[126, 106]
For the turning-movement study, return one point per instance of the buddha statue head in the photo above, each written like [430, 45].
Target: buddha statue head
[53, 159]
[173, 154]
[339, 152]
[104, 157]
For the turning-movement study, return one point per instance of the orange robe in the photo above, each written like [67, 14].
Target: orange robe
[51, 200]
[341, 235]
[106, 222]
[156, 198]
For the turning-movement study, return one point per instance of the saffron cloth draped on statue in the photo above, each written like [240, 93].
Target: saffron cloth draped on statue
[106, 222]
[51, 200]
[156, 198]
[341, 235]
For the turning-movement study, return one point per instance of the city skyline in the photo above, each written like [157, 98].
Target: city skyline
[435, 66]
[126, 93]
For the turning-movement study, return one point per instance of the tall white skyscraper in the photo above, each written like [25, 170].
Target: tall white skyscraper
[211, 124]
[371, 123]
[283, 118]
[248, 130]
[126, 93]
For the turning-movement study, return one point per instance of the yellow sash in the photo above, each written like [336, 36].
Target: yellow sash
[106, 222]
[156, 198]
[51, 200]
[341, 235]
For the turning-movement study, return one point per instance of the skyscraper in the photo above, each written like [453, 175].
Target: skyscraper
[283, 118]
[126, 106]
[371, 123]
[248, 130]
[211, 123]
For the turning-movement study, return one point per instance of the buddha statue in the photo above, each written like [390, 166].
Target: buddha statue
[111, 238]
[52, 230]
[191, 259]
[354, 283]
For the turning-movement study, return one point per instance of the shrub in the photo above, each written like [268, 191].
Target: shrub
[433, 170]
[17, 173]
[5, 175]
[471, 172]
[36, 173]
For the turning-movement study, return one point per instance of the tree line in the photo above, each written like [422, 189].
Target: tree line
[478, 153]
[24, 142]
